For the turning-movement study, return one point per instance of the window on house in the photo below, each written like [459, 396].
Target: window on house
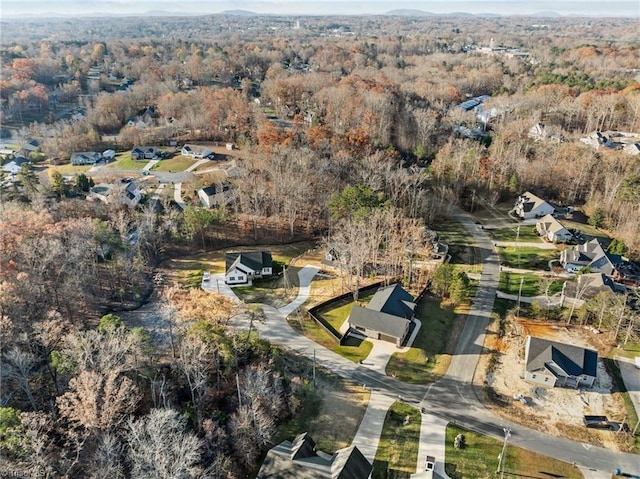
[232, 278]
[546, 379]
[533, 376]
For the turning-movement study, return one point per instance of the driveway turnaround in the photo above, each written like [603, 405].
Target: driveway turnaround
[216, 284]
[177, 195]
[368, 435]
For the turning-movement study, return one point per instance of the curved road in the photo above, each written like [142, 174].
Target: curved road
[453, 397]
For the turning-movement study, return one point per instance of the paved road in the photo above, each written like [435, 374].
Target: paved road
[454, 397]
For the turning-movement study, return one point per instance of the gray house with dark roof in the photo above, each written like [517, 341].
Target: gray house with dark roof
[242, 268]
[592, 255]
[552, 364]
[388, 315]
[299, 459]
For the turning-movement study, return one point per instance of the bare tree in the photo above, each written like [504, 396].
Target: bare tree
[160, 446]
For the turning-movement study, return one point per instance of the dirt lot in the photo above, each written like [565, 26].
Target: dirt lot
[558, 411]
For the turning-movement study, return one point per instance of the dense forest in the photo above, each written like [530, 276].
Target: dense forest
[349, 127]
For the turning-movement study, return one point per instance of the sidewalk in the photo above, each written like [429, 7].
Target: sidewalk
[150, 165]
[177, 195]
[432, 442]
[368, 435]
[196, 164]
[523, 244]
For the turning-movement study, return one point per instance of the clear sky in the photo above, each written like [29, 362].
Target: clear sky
[626, 8]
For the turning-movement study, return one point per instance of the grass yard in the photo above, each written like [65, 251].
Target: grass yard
[462, 246]
[527, 257]
[354, 350]
[585, 229]
[629, 350]
[338, 315]
[177, 163]
[436, 341]
[124, 161]
[479, 459]
[531, 286]
[528, 233]
[397, 454]
[71, 169]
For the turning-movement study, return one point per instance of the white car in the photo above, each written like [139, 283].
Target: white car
[206, 275]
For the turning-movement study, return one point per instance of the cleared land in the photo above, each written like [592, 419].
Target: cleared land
[330, 411]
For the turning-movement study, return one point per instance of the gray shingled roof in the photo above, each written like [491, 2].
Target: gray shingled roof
[387, 324]
[256, 260]
[573, 360]
[298, 459]
[393, 300]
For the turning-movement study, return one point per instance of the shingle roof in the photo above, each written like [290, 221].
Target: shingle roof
[298, 459]
[573, 360]
[256, 260]
[387, 324]
[393, 300]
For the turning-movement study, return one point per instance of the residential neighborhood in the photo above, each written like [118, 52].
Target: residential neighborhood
[319, 244]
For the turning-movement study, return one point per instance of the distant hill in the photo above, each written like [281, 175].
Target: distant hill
[408, 12]
[239, 13]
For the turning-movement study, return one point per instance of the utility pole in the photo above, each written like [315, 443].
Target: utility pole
[314, 368]
[517, 241]
[519, 294]
[501, 457]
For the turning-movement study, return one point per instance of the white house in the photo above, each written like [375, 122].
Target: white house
[530, 206]
[197, 151]
[552, 230]
[108, 155]
[242, 268]
[85, 158]
[215, 195]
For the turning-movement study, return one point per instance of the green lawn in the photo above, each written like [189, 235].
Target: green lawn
[479, 459]
[336, 316]
[527, 257]
[397, 455]
[125, 162]
[585, 228]
[527, 234]
[430, 343]
[354, 350]
[462, 246]
[510, 284]
[71, 169]
[177, 163]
